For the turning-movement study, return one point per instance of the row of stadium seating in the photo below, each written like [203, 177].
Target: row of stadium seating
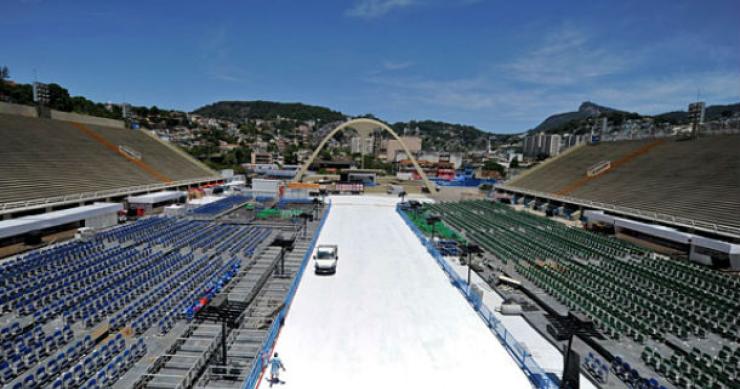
[154, 153]
[221, 205]
[47, 158]
[137, 276]
[100, 369]
[700, 368]
[623, 289]
[692, 179]
[573, 165]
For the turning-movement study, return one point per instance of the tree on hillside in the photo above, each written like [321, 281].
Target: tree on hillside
[290, 156]
[4, 73]
[492, 165]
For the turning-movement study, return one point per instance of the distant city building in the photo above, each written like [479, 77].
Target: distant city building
[393, 146]
[571, 140]
[126, 110]
[434, 158]
[542, 144]
[696, 115]
[261, 158]
[363, 146]
[40, 93]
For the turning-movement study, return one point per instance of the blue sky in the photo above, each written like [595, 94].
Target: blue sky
[502, 66]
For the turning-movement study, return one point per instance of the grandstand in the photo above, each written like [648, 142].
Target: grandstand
[658, 320]
[122, 309]
[685, 183]
[49, 162]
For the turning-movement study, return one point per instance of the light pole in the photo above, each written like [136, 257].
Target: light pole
[415, 205]
[470, 249]
[433, 220]
[306, 218]
[286, 242]
[316, 208]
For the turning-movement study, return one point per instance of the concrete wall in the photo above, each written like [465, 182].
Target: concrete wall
[92, 120]
[17, 109]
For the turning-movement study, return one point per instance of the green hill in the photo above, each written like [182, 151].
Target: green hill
[447, 136]
[265, 110]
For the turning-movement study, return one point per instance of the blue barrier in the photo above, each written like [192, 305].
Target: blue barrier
[265, 351]
[285, 201]
[463, 182]
[525, 361]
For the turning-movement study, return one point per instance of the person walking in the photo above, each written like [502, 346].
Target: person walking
[275, 366]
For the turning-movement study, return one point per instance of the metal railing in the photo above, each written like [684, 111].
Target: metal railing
[86, 196]
[705, 131]
[130, 152]
[660, 217]
[521, 356]
[260, 363]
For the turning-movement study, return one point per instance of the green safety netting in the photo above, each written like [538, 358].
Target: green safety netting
[278, 213]
[440, 229]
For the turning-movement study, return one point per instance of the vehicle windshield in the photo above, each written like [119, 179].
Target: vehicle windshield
[325, 254]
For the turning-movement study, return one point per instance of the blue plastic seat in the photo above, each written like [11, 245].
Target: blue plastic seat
[53, 367]
[62, 360]
[29, 381]
[41, 374]
[29, 356]
[6, 373]
[59, 337]
[17, 365]
[88, 342]
[127, 357]
[121, 341]
[68, 335]
[79, 374]
[101, 378]
[88, 364]
[97, 358]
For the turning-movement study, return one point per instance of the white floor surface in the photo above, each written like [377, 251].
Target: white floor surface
[389, 318]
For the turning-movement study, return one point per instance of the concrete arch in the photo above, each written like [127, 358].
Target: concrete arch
[372, 122]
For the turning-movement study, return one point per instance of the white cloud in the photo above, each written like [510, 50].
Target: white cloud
[472, 94]
[555, 75]
[392, 65]
[369, 9]
[671, 92]
[218, 59]
[566, 56]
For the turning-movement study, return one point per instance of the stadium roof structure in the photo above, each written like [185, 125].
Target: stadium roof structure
[27, 224]
[157, 197]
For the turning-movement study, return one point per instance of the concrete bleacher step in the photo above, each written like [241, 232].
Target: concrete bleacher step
[694, 180]
[47, 158]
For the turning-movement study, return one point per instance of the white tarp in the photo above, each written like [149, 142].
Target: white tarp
[389, 318]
